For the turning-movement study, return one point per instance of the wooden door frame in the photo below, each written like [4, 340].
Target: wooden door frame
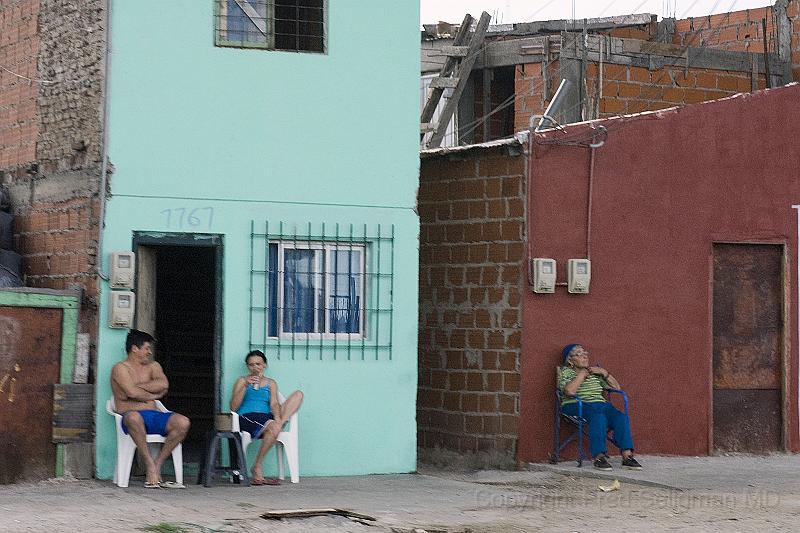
[785, 337]
[69, 303]
[199, 240]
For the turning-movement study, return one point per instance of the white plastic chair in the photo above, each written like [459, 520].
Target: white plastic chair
[126, 449]
[286, 442]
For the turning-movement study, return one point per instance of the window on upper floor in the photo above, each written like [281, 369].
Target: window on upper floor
[291, 25]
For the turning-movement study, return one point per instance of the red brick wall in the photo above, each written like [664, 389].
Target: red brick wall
[471, 255]
[19, 47]
[628, 89]
[58, 241]
[738, 31]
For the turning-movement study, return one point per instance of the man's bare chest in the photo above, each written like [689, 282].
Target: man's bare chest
[140, 373]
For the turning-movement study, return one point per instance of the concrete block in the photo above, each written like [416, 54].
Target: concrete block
[79, 460]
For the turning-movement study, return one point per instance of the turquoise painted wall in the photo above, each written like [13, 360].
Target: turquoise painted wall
[266, 136]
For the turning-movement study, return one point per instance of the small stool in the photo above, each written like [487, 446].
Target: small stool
[210, 469]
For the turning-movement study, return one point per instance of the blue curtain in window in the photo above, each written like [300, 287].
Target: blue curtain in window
[298, 291]
[345, 313]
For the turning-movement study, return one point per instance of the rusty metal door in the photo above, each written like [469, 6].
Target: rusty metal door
[748, 347]
[30, 356]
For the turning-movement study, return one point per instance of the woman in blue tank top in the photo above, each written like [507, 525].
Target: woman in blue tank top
[255, 398]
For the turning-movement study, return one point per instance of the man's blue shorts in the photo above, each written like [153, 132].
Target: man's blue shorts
[154, 421]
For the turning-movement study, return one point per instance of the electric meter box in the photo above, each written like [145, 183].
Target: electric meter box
[543, 273]
[122, 270]
[121, 309]
[579, 273]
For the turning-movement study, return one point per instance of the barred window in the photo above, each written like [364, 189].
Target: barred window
[292, 25]
[322, 291]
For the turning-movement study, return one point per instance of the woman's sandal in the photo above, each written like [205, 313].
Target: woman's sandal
[265, 481]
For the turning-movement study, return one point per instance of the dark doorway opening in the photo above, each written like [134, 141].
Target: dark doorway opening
[179, 286]
[748, 341]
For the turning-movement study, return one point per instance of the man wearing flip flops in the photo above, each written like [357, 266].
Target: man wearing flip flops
[136, 383]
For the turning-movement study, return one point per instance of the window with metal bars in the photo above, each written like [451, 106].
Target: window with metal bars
[324, 291]
[291, 25]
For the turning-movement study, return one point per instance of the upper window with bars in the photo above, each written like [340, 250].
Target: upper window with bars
[290, 25]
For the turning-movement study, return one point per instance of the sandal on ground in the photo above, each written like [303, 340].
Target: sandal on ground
[171, 485]
[265, 481]
[152, 484]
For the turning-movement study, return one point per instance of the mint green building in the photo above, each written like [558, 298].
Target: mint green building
[265, 164]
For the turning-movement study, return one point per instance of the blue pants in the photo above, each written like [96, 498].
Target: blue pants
[602, 416]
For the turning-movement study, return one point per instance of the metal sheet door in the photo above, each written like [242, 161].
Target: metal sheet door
[30, 355]
[748, 347]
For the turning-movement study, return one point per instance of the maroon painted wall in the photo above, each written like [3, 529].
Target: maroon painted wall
[666, 186]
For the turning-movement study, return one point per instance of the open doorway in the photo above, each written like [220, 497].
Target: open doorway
[179, 289]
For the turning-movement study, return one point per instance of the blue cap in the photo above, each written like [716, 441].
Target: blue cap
[568, 348]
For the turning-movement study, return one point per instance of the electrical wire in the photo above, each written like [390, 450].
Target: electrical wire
[471, 126]
[31, 80]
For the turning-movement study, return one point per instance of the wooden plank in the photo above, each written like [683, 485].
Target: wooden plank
[455, 51]
[466, 67]
[73, 408]
[447, 69]
[444, 83]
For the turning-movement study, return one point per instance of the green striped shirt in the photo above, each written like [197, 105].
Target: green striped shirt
[591, 390]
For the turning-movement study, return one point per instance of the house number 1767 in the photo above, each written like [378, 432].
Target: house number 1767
[199, 218]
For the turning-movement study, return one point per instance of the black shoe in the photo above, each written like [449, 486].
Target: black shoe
[601, 463]
[630, 463]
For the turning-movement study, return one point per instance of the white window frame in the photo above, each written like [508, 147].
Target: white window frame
[322, 277]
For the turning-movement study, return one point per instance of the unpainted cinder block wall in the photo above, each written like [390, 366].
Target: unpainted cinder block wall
[472, 214]
[51, 137]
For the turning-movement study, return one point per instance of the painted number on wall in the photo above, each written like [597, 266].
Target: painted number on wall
[181, 218]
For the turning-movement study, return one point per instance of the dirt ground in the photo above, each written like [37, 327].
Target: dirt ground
[437, 500]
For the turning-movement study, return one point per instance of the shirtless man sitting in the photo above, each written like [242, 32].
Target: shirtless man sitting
[136, 383]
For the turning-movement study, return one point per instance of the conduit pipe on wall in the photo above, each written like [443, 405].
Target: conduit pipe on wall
[592, 147]
[104, 150]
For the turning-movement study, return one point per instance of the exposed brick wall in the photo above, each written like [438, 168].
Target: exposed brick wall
[52, 168]
[19, 46]
[471, 273]
[738, 31]
[629, 89]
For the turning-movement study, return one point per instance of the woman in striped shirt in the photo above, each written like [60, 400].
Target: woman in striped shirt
[578, 379]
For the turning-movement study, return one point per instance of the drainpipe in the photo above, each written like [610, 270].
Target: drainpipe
[104, 151]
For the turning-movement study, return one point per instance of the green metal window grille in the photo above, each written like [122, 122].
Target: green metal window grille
[290, 25]
[322, 291]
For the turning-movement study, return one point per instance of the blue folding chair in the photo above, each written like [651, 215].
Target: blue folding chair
[580, 423]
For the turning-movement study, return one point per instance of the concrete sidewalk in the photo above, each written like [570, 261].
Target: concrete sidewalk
[741, 493]
[732, 473]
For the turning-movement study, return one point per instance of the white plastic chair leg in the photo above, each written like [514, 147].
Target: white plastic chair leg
[293, 459]
[177, 462]
[124, 463]
[279, 452]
